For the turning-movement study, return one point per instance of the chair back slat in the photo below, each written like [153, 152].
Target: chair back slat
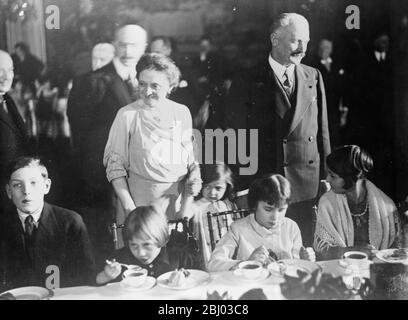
[314, 219]
[114, 230]
[211, 229]
[223, 221]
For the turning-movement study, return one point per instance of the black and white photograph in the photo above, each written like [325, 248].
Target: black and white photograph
[215, 151]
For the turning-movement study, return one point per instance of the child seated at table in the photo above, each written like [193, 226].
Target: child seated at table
[264, 234]
[146, 233]
[215, 196]
[41, 244]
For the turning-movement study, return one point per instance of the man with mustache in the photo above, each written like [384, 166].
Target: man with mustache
[287, 105]
[13, 132]
[92, 106]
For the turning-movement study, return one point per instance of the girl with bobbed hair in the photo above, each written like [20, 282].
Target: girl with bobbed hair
[265, 234]
[354, 213]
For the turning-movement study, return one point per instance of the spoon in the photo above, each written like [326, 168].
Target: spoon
[128, 266]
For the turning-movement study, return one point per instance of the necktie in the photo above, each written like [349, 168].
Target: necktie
[3, 105]
[286, 83]
[131, 87]
[29, 226]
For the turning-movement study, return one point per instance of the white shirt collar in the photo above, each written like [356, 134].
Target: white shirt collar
[279, 69]
[379, 55]
[36, 216]
[328, 60]
[123, 71]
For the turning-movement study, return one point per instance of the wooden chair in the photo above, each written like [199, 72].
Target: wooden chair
[114, 232]
[241, 199]
[219, 223]
[314, 219]
[173, 224]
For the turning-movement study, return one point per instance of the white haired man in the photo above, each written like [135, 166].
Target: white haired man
[287, 104]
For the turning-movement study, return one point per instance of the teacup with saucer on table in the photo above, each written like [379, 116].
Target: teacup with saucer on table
[250, 269]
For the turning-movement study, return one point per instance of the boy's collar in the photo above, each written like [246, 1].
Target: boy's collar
[36, 215]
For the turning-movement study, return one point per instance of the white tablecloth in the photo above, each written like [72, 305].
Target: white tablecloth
[220, 281]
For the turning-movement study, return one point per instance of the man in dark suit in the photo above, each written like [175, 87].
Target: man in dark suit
[287, 105]
[42, 244]
[377, 112]
[13, 132]
[333, 74]
[207, 69]
[28, 68]
[92, 106]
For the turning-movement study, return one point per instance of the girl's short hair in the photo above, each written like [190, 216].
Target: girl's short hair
[350, 163]
[273, 189]
[147, 223]
[218, 171]
[161, 63]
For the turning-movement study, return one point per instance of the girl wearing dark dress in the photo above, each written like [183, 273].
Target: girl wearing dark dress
[146, 234]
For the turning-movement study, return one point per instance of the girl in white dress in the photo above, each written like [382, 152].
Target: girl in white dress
[216, 196]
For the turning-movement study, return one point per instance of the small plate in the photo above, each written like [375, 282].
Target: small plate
[292, 266]
[31, 293]
[149, 283]
[386, 256]
[196, 278]
[262, 276]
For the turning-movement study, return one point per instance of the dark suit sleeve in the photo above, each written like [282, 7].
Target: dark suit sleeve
[323, 138]
[81, 253]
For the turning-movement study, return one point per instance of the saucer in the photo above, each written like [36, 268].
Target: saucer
[31, 293]
[262, 276]
[344, 264]
[147, 284]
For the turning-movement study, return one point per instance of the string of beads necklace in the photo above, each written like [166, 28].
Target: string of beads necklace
[359, 211]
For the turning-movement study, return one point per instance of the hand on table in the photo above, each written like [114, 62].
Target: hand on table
[307, 254]
[112, 269]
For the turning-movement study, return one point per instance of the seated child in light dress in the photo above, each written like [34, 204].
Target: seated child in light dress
[146, 233]
[215, 196]
[264, 233]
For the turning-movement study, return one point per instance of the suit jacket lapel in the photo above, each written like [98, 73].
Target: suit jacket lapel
[47, 223]
[13, 120]
[304, 85]
[119, 88]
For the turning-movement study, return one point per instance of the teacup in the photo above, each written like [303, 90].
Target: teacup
[134, 277]
[356, 258]
[250, 269]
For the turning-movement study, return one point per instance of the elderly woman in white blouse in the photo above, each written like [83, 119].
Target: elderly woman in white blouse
[149, 154]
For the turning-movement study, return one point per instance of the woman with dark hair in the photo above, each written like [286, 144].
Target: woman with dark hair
[354, 213]
[149, 154]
